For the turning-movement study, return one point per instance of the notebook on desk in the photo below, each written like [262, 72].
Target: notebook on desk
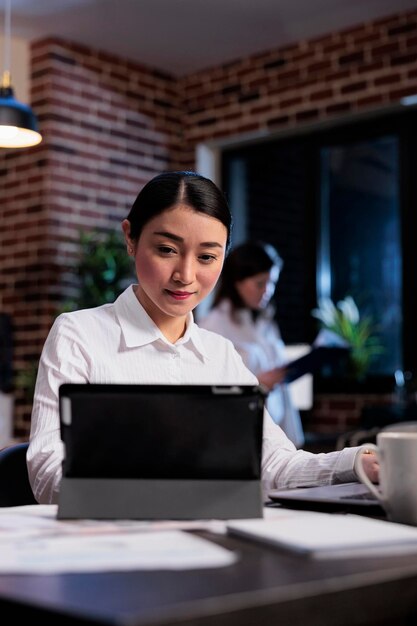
[161, 451]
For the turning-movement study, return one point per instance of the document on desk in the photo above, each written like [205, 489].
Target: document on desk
[327, 535]
[33, 541]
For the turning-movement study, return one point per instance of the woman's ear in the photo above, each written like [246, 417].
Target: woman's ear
[129, 242]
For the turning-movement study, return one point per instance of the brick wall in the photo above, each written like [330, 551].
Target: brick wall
[109, 125]
[359, 69]
[338, 413]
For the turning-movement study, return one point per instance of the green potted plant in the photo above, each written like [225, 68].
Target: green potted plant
[359, 331]
[103, 270]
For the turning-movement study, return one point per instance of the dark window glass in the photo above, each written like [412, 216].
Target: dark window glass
[268, 188]
[359, 247]
[339, 203]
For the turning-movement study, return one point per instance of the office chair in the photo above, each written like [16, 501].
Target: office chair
[15, 488]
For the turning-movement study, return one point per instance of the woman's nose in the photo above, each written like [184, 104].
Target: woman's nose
[263, 289]
[184, 272]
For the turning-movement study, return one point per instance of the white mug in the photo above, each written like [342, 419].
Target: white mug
[396, 451]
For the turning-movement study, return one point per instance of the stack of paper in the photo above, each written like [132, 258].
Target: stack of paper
[328, 535]
[33, 541]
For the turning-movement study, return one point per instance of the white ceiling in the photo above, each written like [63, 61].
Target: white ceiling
[183, 36]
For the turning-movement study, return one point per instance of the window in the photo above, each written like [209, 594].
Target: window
[340, 205]
[359, 244]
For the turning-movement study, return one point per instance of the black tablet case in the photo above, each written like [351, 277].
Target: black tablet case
[161, 451]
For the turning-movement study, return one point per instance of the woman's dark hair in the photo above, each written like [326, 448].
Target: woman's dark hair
[244, 261]
[170, 188]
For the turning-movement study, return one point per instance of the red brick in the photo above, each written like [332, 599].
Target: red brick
[388, 79]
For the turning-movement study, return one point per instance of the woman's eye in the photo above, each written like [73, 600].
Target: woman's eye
[207, 258]
[166, 250]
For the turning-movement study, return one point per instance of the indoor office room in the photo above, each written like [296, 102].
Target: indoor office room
[304, 116]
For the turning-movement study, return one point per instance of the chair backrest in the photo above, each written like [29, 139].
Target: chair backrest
[15, 488]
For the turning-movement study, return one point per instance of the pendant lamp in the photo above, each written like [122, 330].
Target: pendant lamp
[18, 124]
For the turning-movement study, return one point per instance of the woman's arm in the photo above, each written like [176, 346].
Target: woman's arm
[283, 466]
[62, 360]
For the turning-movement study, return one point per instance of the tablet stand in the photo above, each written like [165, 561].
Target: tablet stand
[151, 499]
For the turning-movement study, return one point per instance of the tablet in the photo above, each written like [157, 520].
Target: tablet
[313, 361]
[153, 441]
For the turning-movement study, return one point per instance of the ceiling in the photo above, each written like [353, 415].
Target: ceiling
[184, 36]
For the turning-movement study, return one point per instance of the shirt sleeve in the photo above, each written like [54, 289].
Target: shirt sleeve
[62, 360]
[283, 466]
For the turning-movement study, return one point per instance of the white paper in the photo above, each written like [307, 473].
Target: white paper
[328, 535]
[32, 540]
[301, 389]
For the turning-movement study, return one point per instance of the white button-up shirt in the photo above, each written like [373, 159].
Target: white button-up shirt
[119, 343]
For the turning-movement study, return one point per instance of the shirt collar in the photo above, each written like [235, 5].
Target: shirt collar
[193, 335]
[138, 329]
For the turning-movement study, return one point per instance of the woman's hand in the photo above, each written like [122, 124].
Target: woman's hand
[272, 377]
[370, 465]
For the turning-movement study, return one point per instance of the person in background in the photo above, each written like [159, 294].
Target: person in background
[177, 233]
[242, 312]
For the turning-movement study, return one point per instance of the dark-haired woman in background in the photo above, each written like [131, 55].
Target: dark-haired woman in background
[242, 312]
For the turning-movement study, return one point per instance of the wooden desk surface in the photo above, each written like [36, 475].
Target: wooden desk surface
[266, 586]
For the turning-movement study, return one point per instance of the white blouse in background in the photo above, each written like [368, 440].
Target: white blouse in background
[260, 345]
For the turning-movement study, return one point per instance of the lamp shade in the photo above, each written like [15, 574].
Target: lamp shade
[18, 124]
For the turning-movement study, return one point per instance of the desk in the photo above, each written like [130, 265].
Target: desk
[266, 586]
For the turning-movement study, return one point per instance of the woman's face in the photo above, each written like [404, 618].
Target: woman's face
[256, 291]
[178, 259]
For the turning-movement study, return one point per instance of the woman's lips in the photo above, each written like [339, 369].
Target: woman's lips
[179, 295]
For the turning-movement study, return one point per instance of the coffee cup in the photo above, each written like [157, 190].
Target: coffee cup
[396, 451]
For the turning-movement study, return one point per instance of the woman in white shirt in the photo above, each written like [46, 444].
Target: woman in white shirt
[242, 312]
[177, 232]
